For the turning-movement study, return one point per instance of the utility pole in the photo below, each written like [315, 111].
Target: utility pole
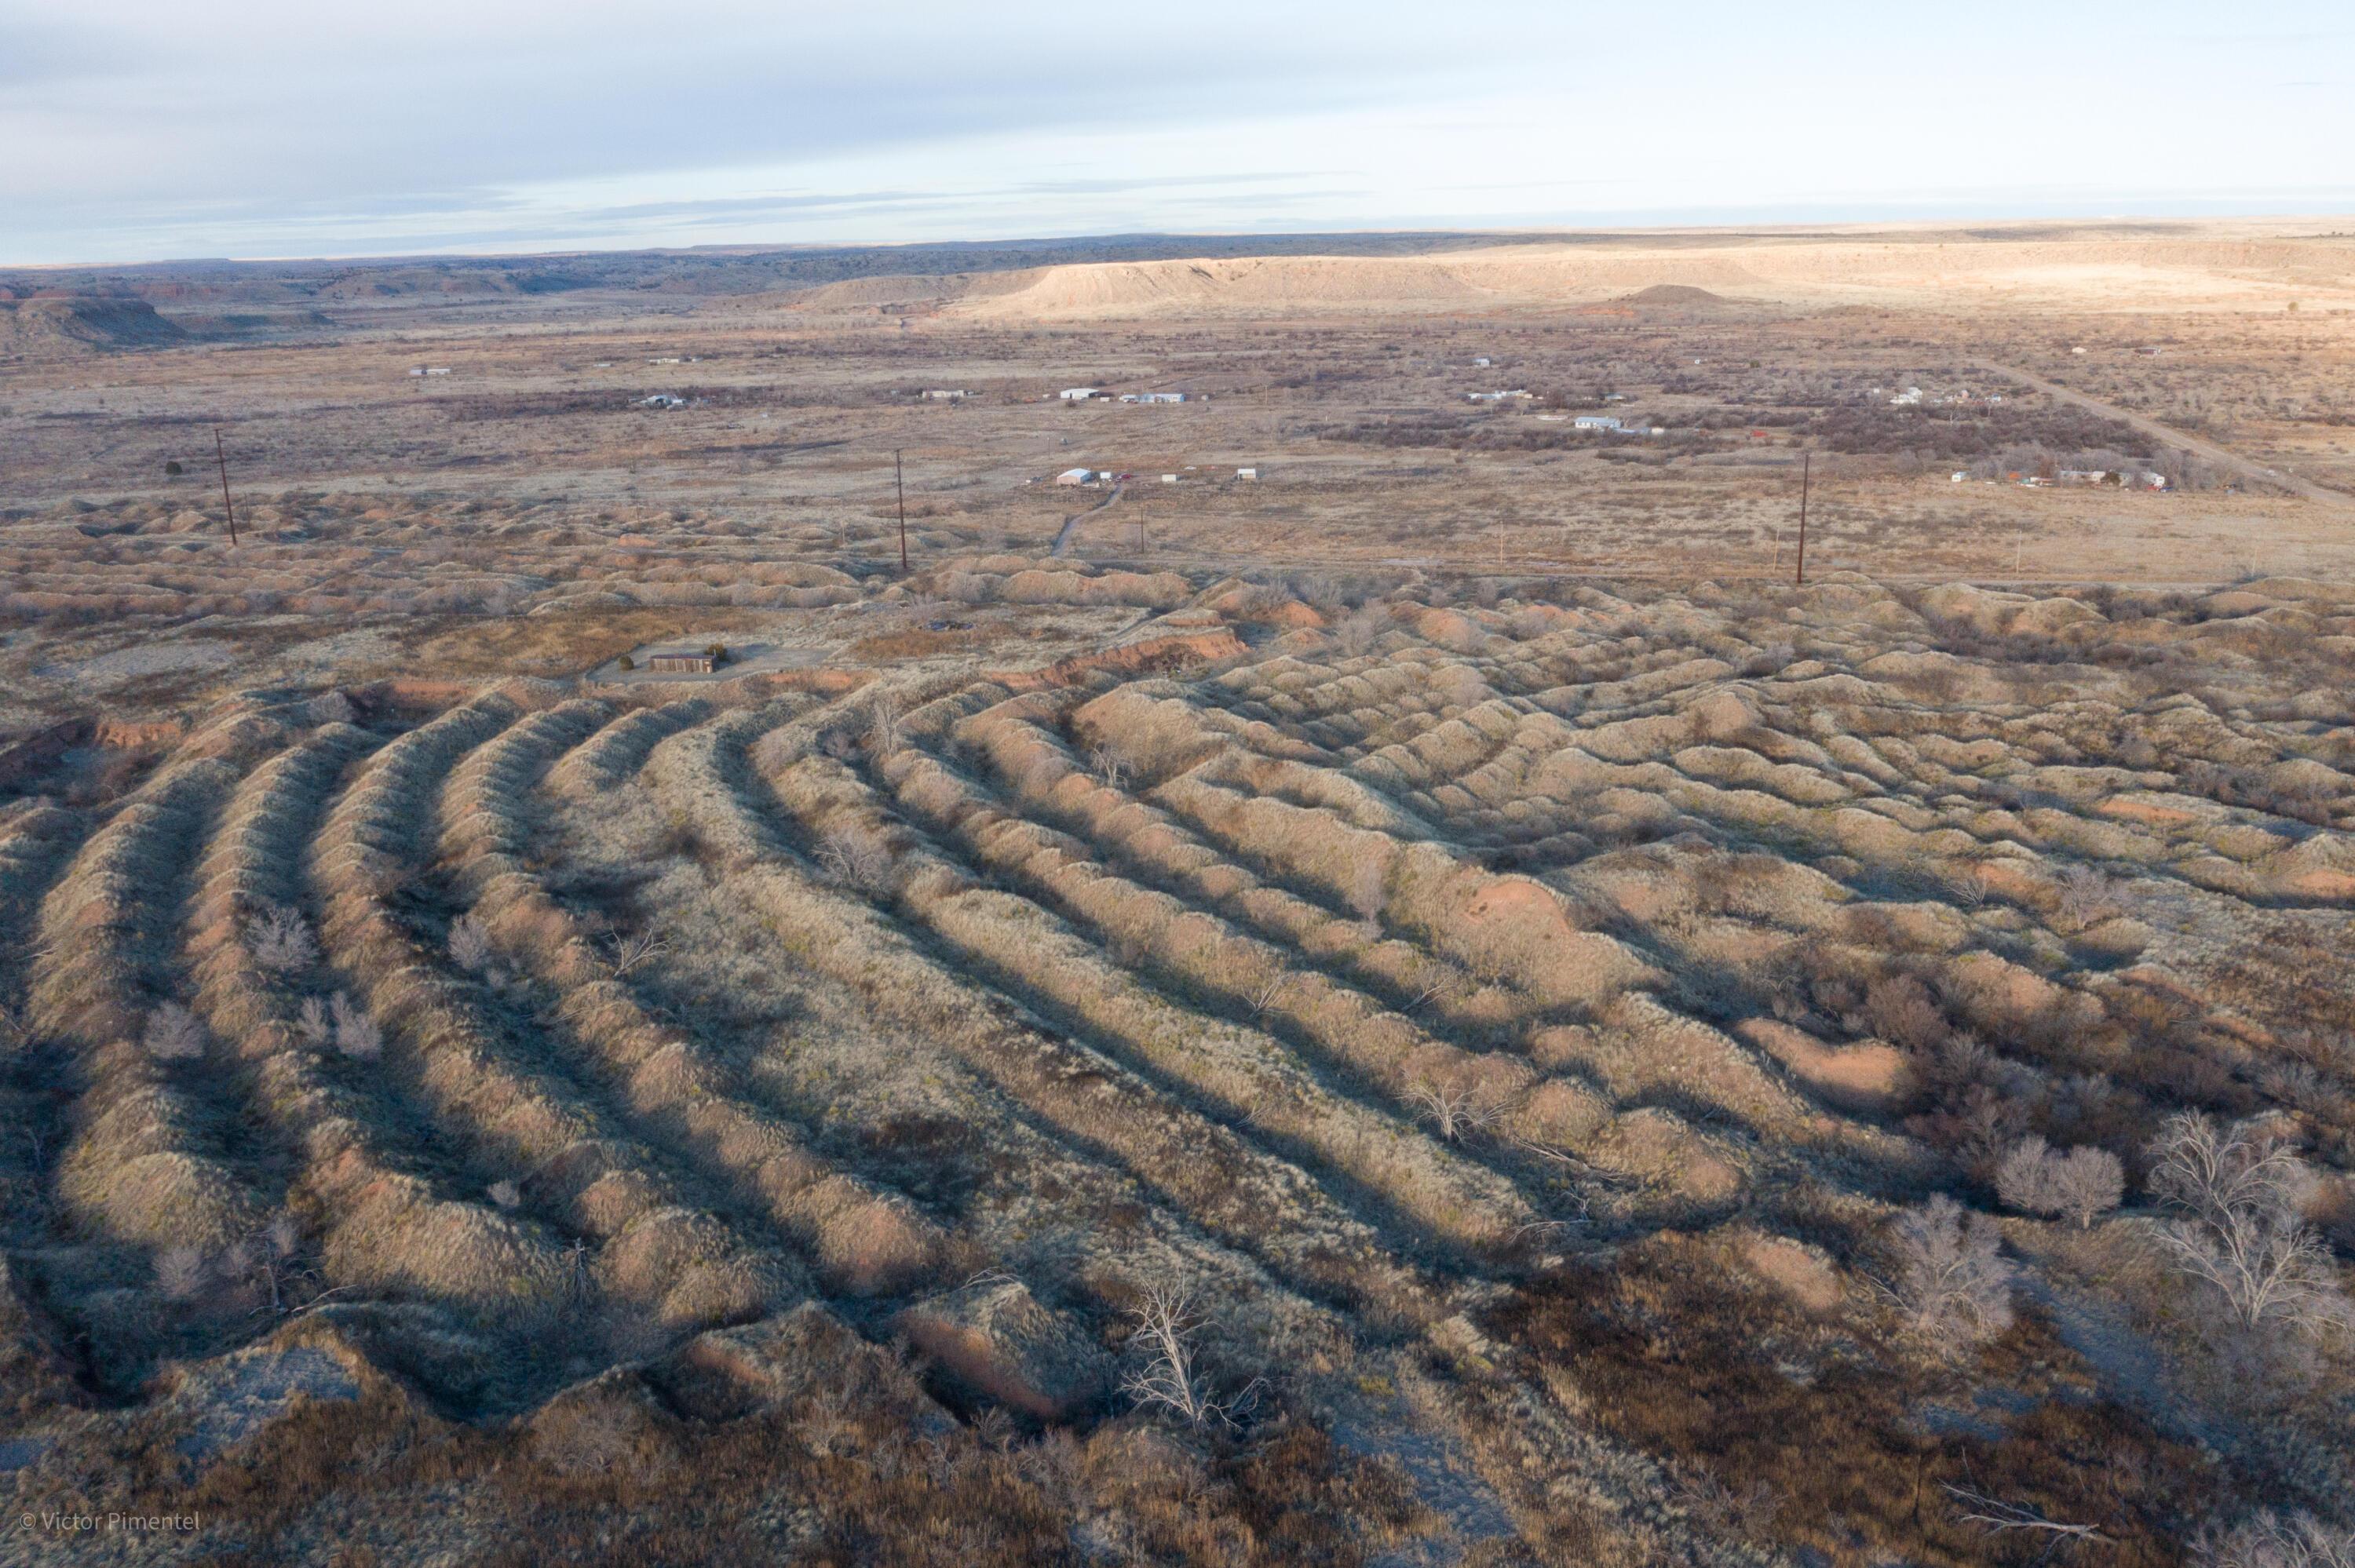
[900, 482]
[1806, 459]
[227, 505]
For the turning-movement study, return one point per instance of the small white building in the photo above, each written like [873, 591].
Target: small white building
[1596, 422]
[1168, 478]
[1077, 394]
[1076, 476]
[430, 370]
[1246, 474]
[1509, 395]
[1483, 362]
[945, 395]
[662, 400]
[1153, 396]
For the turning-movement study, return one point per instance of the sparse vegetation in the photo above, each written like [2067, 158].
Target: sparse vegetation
[1383, 1015]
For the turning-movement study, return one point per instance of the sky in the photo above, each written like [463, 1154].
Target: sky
[141, 130]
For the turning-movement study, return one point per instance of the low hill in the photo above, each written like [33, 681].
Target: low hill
[82, 323]
[1683, 294]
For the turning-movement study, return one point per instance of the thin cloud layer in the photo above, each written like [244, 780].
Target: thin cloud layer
[141, 130]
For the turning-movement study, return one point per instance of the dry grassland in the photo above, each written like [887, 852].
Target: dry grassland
[1159, 1054]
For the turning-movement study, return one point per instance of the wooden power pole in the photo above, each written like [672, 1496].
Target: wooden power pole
[222, 457]
[899, 483]
[1805, 459]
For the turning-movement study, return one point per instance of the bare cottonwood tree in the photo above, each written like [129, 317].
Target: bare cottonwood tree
[470, 943]
[1433, 979]
[281, 941]
[2240, 1201]
[2273, 1541]
[629, 951]
[857, 859]
[885, 735]
[181, 1273]
[1952, 1277]
[1361, 629]
[1170, 1381]
[313, 1023]
[1259, 978]
[357, 1034]
[2079, 1184]
[2088, 897]
[1111, 768]
[173, 1034]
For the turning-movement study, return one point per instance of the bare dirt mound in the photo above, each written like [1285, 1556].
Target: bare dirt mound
[81, 323]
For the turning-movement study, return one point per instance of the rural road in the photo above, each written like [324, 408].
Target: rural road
[2176, 438]
[1073, 521]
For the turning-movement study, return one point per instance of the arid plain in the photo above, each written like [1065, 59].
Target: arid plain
[1374, 984]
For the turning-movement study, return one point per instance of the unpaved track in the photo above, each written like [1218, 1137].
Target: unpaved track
[2174, 436]
[1063, 537]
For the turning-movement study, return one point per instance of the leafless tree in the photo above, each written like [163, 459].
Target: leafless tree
[1456, 1110]
[2079, 1184]
[1952, 1278]
[856, 858]
[1433, 979]
[2240, 1201]
[1999, 1518]
[629, 951]
[2088, 897]
[330, 707]
[506, 1194]
[1257, 978]
[173, 1034]
[1111, 769]
[357, 1034]
[2272, 1540]
[1170, 1381]
[1366, 892]
[312, 1022]
[470, 943]
[885, 736]
[1359, 632]
[281, 941]
[181, 1273]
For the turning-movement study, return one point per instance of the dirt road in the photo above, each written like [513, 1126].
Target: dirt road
[2175, 438]
[1063, 537]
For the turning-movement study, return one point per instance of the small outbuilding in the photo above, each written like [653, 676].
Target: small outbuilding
[682, 662]
[1077, 394]
[1076, 476]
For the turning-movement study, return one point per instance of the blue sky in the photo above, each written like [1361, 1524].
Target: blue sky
[139, 129]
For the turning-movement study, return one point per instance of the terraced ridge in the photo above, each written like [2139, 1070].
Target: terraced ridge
[1418, 1011]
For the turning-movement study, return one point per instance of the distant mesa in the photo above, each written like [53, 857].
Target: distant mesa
[82, 323]
[1672, 294]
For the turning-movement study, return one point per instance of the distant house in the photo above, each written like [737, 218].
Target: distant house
[1246, 474]
[662, 400]
[1507, 395]
[681, 661]
[430, 370]
[1597, 423]
[1077, 394]
[1168, 478]
[1153, 396]
[947, 394]
[2083, 475]
[1076, 476]
[1483, 362]
[1911, 394]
